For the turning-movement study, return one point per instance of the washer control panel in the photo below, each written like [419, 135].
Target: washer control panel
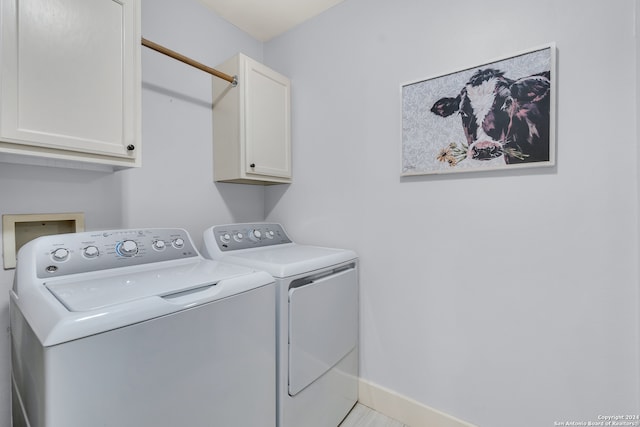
[244, 236]
[63, 254]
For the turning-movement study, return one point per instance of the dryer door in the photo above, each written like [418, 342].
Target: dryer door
[323, 326]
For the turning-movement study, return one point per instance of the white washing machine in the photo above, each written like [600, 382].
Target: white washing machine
[134, 328]
[317, 314]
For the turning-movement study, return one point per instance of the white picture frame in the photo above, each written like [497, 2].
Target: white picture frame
[497, 115]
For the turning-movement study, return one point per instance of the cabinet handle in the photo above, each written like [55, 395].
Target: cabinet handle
[131, 147]
[252, 165]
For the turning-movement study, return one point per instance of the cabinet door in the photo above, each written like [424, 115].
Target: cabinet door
[70, 75]
[267, 121]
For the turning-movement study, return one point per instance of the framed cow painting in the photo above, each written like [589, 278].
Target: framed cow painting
[498, 115]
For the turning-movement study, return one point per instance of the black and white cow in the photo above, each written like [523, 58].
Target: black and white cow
[503, 117]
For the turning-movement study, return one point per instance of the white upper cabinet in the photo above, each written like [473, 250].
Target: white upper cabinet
[252, 124]
[70, 80]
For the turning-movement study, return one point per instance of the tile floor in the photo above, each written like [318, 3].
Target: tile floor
[362, 416]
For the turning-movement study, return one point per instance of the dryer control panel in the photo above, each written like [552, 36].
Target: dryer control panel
[63, 254]
[250, 235]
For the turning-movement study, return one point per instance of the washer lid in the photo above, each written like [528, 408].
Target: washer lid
[91, 293]
[290, 259]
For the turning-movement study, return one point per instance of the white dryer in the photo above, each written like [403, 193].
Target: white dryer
[134, 328]
[317, 314]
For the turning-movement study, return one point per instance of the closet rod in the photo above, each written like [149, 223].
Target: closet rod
[175, 55]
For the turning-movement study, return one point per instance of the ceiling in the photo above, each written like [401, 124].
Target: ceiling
[265, 19]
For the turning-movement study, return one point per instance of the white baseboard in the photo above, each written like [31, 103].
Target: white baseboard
[403, 409]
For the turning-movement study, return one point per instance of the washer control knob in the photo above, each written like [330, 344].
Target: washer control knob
[158, 245]
[238, 237]
[60, 254]
[90, 252]
[255, 235]
[225, 238]
[270, 234]
[178, 243]
[127, 248]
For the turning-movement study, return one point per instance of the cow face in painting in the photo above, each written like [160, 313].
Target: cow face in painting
[503, 117]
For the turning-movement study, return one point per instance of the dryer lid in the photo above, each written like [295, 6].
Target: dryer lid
[91, 293]
[291, 259]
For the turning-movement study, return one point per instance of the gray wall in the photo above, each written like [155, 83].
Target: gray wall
[175, 184]
[174, 188]
[503, 298]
